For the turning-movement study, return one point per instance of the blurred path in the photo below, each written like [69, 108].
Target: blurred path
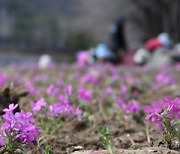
[27, 58]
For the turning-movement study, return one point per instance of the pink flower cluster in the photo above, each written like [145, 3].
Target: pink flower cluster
[129, 107]
[164, 109]
[52, 90]
[130, 79]
[58, 88]
[128, 92]
[64, 107]
[165, 78]
[124, 89]
[32, 89]
[89, 78]
[109, 90]
[84, 94]
[107, 93]
[19, 126]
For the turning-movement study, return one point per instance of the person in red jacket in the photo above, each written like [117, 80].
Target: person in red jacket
[162, 40]
[153, 44]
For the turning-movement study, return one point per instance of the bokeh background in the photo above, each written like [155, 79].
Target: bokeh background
[29, 28]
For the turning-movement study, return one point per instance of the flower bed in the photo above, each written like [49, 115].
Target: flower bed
[72, 108]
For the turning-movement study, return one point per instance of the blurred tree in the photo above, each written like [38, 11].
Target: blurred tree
[47, 29]
[79, 41]
[24, 20]
[33, 25]
[156, 16]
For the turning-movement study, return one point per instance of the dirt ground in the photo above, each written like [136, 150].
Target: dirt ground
[129, 133]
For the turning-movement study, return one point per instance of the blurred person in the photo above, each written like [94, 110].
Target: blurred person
[117, 39]
[141, 56]
[161, 41]
[152, 44]
[175, 53]
[114, 51]
[177, 47]
[154, 52]
[165, 40]
[102, 53]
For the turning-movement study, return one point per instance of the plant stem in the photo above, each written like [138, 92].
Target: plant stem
[147, 134]
[109, 147]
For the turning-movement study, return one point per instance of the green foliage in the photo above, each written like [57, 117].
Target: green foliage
[171, 133]
[50, 126]
[48, 150]
[31, 25]
[104, 132]
[12, 146]
[24, 19]
[79, 41]
[48, 28]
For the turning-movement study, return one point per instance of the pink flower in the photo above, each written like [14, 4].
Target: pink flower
[66, 109]
[84, 94]
[11, 108]
[82, 58]
[60, 83]
[173, 106]
[133, 107]
[40, 77]
[79, 114]
[24, 117]
[89, 78]
[69, 90]
[124, 89]
[2, 143]
[52, 90]
[38, 105]
[129, 78]
[109, 90]
[130, 107]
[153, 111]
[162, 110]
[63, 99]
[32, 90]
[29, 134]
[19, 126]
[165, 78]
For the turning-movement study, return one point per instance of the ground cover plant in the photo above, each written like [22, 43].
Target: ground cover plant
[68, 108]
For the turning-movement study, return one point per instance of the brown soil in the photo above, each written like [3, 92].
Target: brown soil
[127, 132]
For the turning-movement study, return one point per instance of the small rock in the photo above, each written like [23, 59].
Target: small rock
[125, 144]
[139, 137]
[175, 144]
[77, 148]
